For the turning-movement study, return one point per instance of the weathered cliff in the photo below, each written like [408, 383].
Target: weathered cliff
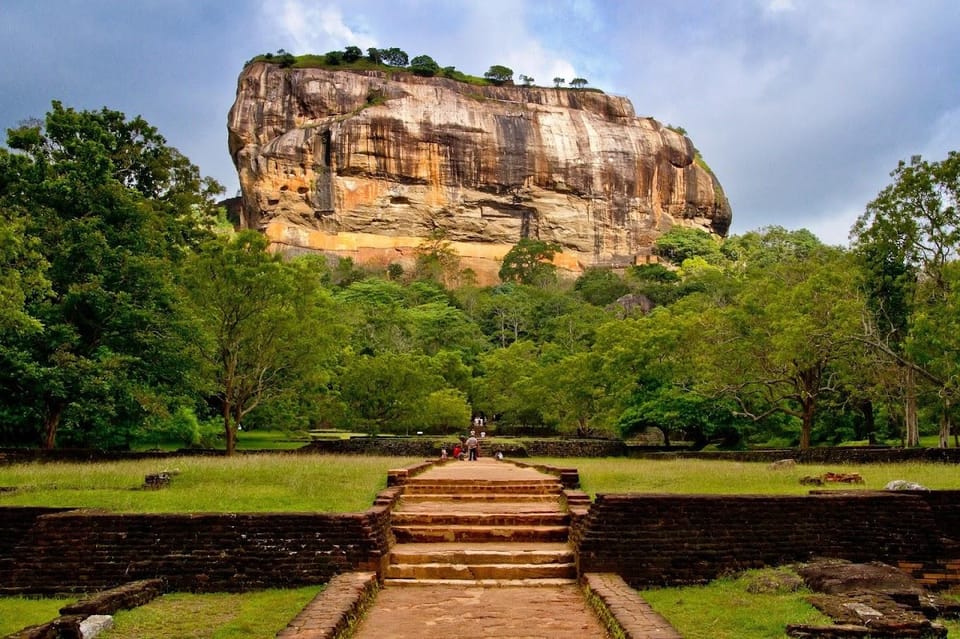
[367, 164]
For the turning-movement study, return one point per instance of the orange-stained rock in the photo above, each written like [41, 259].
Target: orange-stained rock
[367, 164]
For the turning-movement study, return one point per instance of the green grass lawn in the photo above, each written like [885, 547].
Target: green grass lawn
[245, 483]
[724, 609]
[251, 615]
[17, 613]
[619, 475]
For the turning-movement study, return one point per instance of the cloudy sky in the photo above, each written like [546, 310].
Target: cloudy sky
[801, 107]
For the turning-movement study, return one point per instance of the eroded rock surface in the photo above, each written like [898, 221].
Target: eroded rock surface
[870, 600]
[367, 164]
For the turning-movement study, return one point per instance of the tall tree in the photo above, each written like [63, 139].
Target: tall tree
[907, 237]
[105, 209]
[774, 349]
[265, 326]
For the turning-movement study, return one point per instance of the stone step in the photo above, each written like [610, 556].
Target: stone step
[449, 571]
[478, 497]
[411, 533]
[475, 488]
[502, 519]
[482, 583]
[490, 553]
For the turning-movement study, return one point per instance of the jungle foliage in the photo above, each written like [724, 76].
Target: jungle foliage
[123, 316]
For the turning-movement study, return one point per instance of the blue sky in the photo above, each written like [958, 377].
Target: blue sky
[802, 107]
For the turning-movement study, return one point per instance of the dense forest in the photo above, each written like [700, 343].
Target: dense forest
[130, 308]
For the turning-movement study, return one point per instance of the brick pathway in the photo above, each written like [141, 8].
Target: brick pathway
[482, 552]
[416, 612]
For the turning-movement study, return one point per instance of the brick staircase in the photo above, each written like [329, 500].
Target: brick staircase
[507, 528]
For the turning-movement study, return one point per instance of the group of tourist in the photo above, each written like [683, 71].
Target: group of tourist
[468, 448]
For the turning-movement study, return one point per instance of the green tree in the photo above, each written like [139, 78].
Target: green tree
[578, 83]
[437, 260]
[600, 286]
[352, 54]
[265, 326]
[681, 243]
[499, 74]
[528, 262]
[104, 209]
[388, 391]
[374, 55]
[907, 237]
[776, 348]
[574, 391]
[558, 82]
[394, 57]
[445, 411]
[425, 66]
[508, 385]
[526, 80]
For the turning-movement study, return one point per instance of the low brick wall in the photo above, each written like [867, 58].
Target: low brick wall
[686, 539]
[84, 550]
[334, 611]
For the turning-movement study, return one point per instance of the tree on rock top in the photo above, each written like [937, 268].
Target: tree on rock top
[425, 66]
[499, 74]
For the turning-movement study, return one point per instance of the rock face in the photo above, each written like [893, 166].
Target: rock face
[367, 164]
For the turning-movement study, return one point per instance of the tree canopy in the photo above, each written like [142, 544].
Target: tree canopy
[123, 314]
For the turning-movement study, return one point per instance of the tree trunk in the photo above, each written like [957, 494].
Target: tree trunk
[808, 405]
[51, 421]
[911, 425]
[809, 386]
[229, 432]
[945, 424]
[581, 427]
[869, 422]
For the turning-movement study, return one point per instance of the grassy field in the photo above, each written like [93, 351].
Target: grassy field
[212, 616]
[245, 483]
[618, 475]
[726, 609]
[19, 612]
[335, 483]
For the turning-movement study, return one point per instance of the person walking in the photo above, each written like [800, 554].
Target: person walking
[473, 446]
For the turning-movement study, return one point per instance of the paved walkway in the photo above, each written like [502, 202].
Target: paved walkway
[482, 492]
[416, 612]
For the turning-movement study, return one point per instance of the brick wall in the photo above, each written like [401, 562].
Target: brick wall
[684, 539]
[82, 550]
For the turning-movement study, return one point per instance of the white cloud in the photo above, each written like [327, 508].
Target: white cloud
[313, 27]
[779, 6]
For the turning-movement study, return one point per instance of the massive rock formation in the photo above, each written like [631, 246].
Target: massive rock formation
[366, 164]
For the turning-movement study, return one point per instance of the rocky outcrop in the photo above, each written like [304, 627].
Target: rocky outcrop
[367, 163]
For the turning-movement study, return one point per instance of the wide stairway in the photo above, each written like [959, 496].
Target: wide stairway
[484, 523]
